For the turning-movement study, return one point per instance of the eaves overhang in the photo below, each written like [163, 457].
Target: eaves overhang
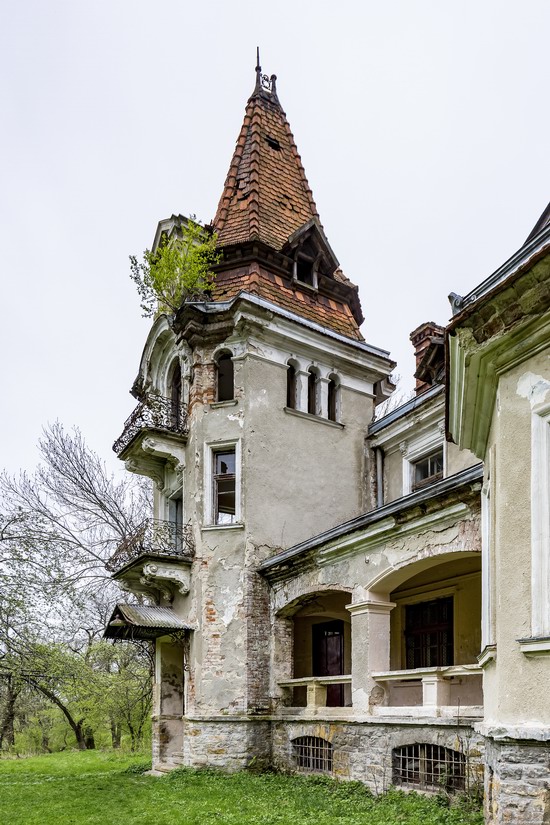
[474, 371]
[523, 259]
[214, 307]
[417, 404]
[422, 502]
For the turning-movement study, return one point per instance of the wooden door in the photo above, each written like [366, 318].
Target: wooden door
[328, 657]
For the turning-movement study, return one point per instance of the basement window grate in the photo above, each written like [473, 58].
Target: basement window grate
[429, 768]
[313, 754]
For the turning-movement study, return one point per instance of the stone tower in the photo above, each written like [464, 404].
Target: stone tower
[252, 417]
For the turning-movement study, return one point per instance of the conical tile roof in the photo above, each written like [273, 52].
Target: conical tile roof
[266, 196]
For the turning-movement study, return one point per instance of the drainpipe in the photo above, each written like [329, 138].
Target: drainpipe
[379, 452]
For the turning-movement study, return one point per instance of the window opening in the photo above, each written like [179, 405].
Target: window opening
[291, 386]
[312, 754]
[225, 388]
[328, 657]
[304, 271]
[429, 767]
[428, 470]
[273, 143]
[224, 487]
[332, 399]
[429, 633]
[175, 517]
[312, 392]
[176, 397]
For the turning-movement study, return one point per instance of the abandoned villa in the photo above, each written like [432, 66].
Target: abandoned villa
[333, 584]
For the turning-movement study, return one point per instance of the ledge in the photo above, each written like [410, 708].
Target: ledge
[535, 646]
[238, 526]
[488, 654]
[311, 417]
[215, 405]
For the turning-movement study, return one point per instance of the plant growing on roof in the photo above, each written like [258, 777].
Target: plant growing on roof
[180, 269]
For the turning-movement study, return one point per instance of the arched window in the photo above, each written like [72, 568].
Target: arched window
[333, 398]
[429, 767]
[224, 377]
[176, 412]
[291, 386]
[312, 391]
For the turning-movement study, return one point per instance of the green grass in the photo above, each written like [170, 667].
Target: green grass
[94, 788]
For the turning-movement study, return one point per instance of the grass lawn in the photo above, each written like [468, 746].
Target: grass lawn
[95, 788]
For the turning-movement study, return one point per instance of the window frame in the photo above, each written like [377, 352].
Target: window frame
[210, 510]
[414, 451]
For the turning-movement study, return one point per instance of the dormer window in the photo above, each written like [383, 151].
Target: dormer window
[304, 271]
[225, 389]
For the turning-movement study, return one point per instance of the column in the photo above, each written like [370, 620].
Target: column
[370, 650]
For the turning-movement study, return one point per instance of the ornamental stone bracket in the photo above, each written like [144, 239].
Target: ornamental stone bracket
[159, 581]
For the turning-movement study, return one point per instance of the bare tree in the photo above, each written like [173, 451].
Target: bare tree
[58, 527]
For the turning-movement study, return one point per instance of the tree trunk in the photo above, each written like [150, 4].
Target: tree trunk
[77, 727]
[116, 733]
[7, 733]
[89, 738]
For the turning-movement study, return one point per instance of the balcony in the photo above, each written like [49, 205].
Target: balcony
[432, 691]
[156, 413]
[155, 560]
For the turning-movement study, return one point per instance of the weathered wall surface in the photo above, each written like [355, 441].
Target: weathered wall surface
[517, 783]
[522, 699]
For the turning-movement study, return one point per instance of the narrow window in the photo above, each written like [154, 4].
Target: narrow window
[175, 519]
[176, 399]
[429, 633]
[224, 368]
[312, 385]
[333, 388]
[224, 487]
[429, 767]
[291, 386]
[428, 470]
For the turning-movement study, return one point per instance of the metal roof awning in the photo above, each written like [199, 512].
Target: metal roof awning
[132, 621]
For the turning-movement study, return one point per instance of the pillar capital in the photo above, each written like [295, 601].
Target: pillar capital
[370, 606]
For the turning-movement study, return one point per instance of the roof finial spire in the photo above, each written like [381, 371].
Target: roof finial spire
[258, 71]
[265, 86]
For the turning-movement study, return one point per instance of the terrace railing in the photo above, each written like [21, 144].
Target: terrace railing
[155, 413]
[154, 538]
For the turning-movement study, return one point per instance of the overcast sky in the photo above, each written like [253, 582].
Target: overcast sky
[423, 126]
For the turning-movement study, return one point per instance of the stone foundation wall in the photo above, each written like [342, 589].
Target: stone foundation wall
[517, 783]
[232, 744]
[363, 750]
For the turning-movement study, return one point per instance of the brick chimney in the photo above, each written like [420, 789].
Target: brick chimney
[427, 340]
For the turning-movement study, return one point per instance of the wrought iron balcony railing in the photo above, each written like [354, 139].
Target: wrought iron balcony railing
[156, 413]
[154, 538]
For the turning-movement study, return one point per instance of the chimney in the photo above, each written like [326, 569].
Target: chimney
[427, 336]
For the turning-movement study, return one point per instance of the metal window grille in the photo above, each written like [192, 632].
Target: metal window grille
[429, 767]
[313, 754]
